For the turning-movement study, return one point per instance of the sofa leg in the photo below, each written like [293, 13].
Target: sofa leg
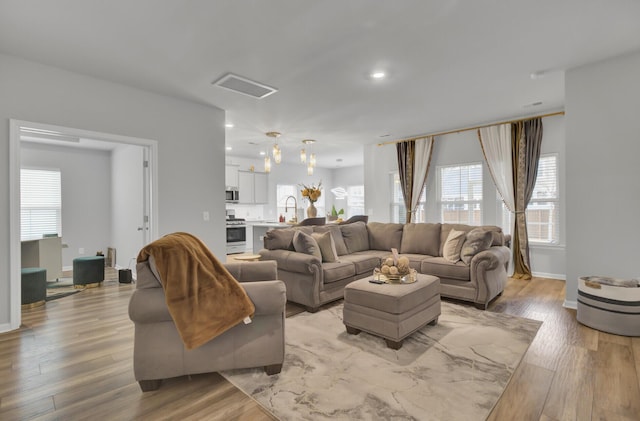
[311, 309]
[149, 385]
[272, 369]
[481, 306]
[433, 322]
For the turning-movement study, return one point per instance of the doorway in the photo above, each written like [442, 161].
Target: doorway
[141, 187]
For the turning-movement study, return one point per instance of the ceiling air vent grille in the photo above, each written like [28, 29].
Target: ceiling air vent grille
[244, 86]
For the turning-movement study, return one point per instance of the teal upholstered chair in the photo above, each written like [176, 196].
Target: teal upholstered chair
[88, 271]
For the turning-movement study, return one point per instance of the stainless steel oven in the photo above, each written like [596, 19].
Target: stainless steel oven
[236, 237]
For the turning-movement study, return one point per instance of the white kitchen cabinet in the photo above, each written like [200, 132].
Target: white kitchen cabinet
[252, 187]
[231, 175]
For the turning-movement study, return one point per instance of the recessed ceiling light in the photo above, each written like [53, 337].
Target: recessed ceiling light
[533, 104]
[378, 74]
[537, 75]
[385, 135]
[229, 125]
[262, 153]
[229, 148]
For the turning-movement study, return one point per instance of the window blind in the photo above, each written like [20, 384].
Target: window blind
[40, 203]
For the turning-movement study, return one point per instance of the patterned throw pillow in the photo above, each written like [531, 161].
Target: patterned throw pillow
[453, 245]
[477, 240]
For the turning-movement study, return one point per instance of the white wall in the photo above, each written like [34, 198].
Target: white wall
[128, 203]
[603, 175]
[86, 195]
[190, 146]
[462, 148]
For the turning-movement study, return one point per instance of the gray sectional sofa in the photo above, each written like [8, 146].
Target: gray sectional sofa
[313, 278]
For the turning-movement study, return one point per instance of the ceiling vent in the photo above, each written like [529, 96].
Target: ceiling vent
[244, 86]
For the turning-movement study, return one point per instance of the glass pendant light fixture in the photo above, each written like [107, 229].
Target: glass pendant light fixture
[303, 152]
[309, 169]
[277, 153]
[267, 164]
[312, 160]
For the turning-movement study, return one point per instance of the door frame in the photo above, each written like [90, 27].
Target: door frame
[150, 191]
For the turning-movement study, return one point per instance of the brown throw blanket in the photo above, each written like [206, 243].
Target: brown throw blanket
[202, 296]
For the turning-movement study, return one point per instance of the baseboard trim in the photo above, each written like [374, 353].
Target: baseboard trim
[570, 304]
[5, 327]
[559, 276]
[67, 268]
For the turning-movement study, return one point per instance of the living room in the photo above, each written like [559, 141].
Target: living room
[595, 141]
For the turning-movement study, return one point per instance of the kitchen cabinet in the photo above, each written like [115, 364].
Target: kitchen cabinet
[252, 187]
[231, 175]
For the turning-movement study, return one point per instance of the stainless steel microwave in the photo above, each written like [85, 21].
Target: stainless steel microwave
[232, 195]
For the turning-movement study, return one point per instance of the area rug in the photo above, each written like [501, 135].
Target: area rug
[456, 370]
[61, 288]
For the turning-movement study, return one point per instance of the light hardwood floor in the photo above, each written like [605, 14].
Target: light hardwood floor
[72, 359]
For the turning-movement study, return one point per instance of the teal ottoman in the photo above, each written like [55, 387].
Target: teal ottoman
[88, 272]
[34, 287]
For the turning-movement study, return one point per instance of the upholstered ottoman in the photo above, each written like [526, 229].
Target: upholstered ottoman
[88, 271]
[33, 287]
[392, 311]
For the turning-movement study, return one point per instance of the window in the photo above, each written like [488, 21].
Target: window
[460, 192]
[355, 201]
[398, 209]
[543, 212]
[40, 203]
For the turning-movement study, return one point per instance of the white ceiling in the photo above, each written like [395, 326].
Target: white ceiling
[450, 63]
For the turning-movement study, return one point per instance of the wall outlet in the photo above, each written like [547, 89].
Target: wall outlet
[81, 250]
[205, 216]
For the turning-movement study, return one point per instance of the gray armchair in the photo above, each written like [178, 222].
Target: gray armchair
[159, 352]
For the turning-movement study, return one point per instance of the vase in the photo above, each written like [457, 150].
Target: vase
[312, 211]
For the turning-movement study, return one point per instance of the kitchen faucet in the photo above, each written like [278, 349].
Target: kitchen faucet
[295, 208]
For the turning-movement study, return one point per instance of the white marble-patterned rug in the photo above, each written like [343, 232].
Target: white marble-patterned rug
[455, 370]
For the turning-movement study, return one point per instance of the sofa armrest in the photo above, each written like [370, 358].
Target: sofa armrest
[293, 261]
[253, 271]
[491, 258]
[149, 306]
[269, 297]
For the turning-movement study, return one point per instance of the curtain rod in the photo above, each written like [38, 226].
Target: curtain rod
[466, 129]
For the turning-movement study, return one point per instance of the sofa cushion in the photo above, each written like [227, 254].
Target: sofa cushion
[305, 243]
[384, 236]
[453, 245]
[363, 261]
[327, 246]
[421, 239]
[442, 268]
[356, 236]
[496, 233]
[477, 240]
[337, 271]
[282, 238]
[336, 233]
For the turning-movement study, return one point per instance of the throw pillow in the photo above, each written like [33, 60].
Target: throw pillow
[305, 243]
[453, 245]
[327, 246]
[477, 240]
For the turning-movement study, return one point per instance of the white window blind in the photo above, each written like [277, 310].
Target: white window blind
[543, 211]
[355, 201]
[460, 192]
[40, 203]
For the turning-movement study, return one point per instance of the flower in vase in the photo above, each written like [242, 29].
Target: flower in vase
[312, 193]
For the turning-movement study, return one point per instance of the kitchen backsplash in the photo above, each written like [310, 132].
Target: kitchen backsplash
[249, 212]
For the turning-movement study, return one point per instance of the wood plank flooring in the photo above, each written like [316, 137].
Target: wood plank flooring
[72, 360]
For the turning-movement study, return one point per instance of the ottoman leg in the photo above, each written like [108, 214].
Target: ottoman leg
[393, 344]
[352, 330]
[433, 322]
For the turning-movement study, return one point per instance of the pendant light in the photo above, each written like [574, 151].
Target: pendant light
[303, 152]
[277, 153]
[267, 164]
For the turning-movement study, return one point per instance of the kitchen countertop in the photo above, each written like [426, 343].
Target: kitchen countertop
[271, 224]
